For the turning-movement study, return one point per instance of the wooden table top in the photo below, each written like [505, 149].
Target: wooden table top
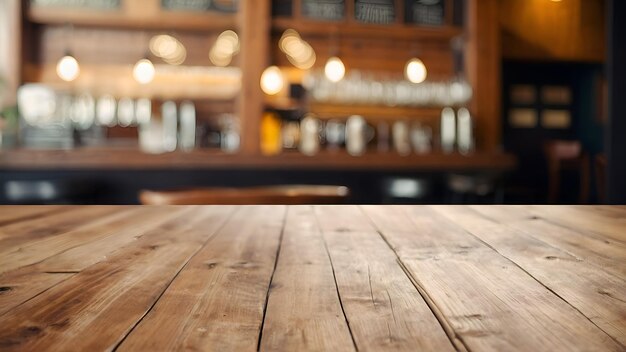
[295, 278]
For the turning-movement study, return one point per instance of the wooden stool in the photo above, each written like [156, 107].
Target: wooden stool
[284, 194]
[562, 155]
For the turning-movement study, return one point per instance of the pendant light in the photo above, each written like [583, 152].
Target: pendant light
[144, 71]
[272, 81]
[67, 67]
[334, 69]
[415, 70]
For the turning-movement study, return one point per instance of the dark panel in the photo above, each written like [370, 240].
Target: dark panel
[616, 127]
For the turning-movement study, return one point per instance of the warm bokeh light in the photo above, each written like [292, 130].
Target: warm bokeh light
[415, 71]
[144, 71]
[334, 69]
[68, 68]
[299, 52]
[226, 46]
[272, 80]
[168, 48]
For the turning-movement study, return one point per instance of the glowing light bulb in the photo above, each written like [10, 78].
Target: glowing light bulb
[144, 71]
[67, 68]
[415, 71]
[272, 80]
[334, 69]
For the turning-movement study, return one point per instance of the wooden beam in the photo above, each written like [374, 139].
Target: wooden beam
[254, 29]
[483, 60]
[10, 34]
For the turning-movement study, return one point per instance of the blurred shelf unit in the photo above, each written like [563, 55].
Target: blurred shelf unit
[145, 14]
[108, 40]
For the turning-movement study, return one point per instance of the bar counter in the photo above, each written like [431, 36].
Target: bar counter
[131, 158]
[298, 278]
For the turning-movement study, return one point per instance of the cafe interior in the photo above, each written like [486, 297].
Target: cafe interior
[312, 101]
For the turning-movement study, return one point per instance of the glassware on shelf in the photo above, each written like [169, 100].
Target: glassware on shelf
[126, 112]
[329, 10]
[465, 137]
[291, 135]
[335, 132]
[187, 140]
[143, 111]
[448, 130]
[356, 138]
[401, 139]
[310, 135]
[421, 138]
[105, 111]
[229, 136]
[271, 128]
[367, 89]
[169, 119]
[375, 11]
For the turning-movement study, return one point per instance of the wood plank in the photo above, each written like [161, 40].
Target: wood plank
[586, 219]
[13, 214]
[217, 301]
[51, 224]
[600, 296]
[606, 254]
[304, 312]
[31, 249]
[384, 309]
[96, 308]
[22, 284]
[489, 302]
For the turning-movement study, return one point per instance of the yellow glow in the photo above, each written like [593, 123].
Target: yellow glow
[334, 69]
[144, 71]
[272, 80]
[415, 71]
[67, 68]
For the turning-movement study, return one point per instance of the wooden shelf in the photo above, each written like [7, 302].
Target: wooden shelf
[374, 112]
[129, 158]
[361, 30]
[212, 83]
[173, 20]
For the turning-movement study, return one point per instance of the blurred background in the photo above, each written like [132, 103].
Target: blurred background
[359, 101]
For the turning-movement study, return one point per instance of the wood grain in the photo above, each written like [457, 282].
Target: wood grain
[384, 309]
[28, 281]
[304, 315]
[590, 289]
[48, 241]
[217, 302]
[484, 297]
[311, 278]
[104, 302]
[27, 212]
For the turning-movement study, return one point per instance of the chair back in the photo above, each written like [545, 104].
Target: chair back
[283, 194]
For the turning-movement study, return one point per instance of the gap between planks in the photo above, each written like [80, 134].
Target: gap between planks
[455, 340]
[167, 286]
